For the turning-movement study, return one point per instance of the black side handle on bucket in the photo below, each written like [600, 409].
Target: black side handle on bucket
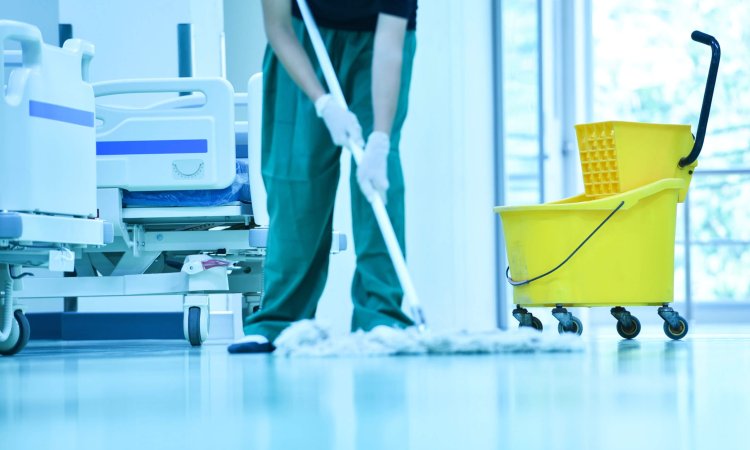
[708, 95]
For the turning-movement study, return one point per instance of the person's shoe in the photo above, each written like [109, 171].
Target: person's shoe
[253, 343]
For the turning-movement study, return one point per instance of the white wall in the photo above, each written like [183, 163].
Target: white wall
[447, 156]
[41, 13]
[448, 159]
[207, 17]
[138, 38]
[245, 41]
[133, 39]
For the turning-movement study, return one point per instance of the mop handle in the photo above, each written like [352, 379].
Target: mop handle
[378, 207]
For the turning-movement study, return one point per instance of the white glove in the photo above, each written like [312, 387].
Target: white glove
[342, 123]
[372, 172]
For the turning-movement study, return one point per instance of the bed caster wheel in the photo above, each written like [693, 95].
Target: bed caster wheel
[575, 326]
[194, 333]
[676, 332]
[628, 326]
[195, 319]
[194, 326]
[19, 335]
[526, 319]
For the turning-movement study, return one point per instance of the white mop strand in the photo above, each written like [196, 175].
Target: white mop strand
[378, 206]
[309, 338]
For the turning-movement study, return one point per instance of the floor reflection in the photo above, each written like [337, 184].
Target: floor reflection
[645, 393]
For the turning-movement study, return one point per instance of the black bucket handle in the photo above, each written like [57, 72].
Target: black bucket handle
[513, 282]
[708, 95]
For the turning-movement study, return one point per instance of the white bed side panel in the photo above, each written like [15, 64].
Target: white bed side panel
[170, 146]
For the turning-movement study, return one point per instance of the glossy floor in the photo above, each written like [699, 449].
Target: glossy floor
[649, 393]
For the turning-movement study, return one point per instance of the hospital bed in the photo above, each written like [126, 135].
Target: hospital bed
[48, 212]
[189, 215]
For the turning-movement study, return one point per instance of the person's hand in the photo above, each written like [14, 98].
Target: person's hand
[341, 123]
[372, 172]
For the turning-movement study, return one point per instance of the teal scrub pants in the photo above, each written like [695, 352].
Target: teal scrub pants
[300, 166]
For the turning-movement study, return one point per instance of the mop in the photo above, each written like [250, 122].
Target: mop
[312, 338]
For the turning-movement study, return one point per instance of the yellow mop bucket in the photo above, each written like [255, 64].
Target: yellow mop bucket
[613, 245]
[625, 248]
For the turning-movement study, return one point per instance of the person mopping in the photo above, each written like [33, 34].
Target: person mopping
[372, 45]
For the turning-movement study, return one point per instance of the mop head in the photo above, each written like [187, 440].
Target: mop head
[313, 339]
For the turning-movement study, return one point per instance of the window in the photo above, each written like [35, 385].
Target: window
[520, 50]
[646, 68]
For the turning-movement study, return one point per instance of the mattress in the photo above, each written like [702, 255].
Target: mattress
[238, 191]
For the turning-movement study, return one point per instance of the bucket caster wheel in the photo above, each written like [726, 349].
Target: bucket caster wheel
[526, 319]
[628, 326]
[575, 326]
[676, 332]
[19, 336]
[568, 322]
[675, 326]
[535, 324]
[629, 332]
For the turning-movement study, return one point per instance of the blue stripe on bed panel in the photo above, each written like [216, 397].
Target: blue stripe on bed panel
[161, 147]
[61, 113]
